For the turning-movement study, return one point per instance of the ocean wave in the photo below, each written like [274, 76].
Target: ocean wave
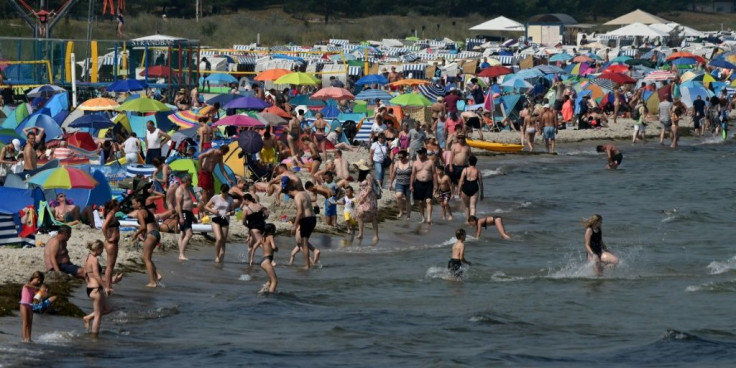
[57, 337]
[716, 268]
[713, 287]
[444, 274]
[490, 172]
[580, 152]
[138, 316]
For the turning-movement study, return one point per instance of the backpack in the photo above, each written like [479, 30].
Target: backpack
[377, 189]
[636, 114]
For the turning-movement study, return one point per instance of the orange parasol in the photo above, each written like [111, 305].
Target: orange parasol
[409, 82]
[278, 111]
[271, 74]
[98, 104]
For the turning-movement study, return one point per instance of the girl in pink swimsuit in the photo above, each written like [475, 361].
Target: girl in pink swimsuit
[26, 302]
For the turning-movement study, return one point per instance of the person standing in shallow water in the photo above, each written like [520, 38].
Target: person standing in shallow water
[454, 266]
[597, 251]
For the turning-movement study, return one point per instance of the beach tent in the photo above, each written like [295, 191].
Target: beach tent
[684, 31]
[16, 117]
[637, 29]
[46, 122]
[10, 235]
[14, 201]
[636, 16]
[186, 165]
[499, 24]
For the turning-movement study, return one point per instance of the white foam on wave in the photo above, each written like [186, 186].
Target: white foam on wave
[580, 152]
[711, 140]
[57, 337]
[500, 276]
[712, 286]
[490, 172]
[444, 274]
[245, 277]
[715, 267]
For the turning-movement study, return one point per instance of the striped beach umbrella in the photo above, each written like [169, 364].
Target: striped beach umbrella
[659, 75]
[64, 178]
[185, 119]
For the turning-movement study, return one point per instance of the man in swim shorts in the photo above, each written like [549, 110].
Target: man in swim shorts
[56, 256]
[549, 122]
[305, 220]
[207, 162]
[459, 155]
[454, 266]
[423, 183]
[613, 155]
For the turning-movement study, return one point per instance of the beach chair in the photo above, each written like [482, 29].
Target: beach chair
[46, 220]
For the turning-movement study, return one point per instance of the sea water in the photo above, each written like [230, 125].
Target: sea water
[530, 301]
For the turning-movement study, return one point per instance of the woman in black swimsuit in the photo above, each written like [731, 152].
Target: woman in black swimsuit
[471, 183]
[111, 232]
[254, 218]
[92, 270]
[597, 251]
[148, 232]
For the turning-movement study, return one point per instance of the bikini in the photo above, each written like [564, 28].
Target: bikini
[151, 219]
[98, 288]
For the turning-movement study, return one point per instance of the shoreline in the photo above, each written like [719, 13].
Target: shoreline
[20, 263]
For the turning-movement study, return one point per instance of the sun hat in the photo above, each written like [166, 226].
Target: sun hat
[362, 165]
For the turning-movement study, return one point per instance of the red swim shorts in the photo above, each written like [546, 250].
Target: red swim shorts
[206, 180]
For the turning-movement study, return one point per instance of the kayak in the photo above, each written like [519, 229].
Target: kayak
[494, 146]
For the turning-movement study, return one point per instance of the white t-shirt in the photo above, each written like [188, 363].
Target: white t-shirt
[130, 145]
[153, 140]
[379, 151]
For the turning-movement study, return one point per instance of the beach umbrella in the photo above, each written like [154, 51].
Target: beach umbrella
[495, 71]
[721, 63]
[278, 111]
[579, 69]
[221, 78]
[372, 94]
[271, 74]
[223, 98]
[247, 103]
[596, 92]
[651, 99]
[372, 79]
[250, 141]
[185, 119]
[691, 75]
[240, 121]
[517, 83]
[126, 85]
[560, 57]
[98, 104]
[684, 54]
[528, 74]
[617, 78]
[156, 71]
[616, 68]
[645, 62]
[606, 84]
[92, 121]
[272, 119]
[305, 100]
[659, 75]
[691, 90]
[333, 93]
[411, 99]
[45, 91]
[143, 104]
[432, 91]
[64, 178]
[684, 61]
[621, 59]
[297, 78]
[549, 69]
[409, 82]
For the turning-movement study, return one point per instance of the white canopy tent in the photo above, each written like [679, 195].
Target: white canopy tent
[637, 29]
[636, 16]
[499, 24]
[684, 30]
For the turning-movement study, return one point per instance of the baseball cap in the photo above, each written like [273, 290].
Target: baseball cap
[16, 144]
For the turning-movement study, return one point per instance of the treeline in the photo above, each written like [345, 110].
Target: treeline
[331, 9]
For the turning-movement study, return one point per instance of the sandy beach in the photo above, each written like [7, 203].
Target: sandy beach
[20, 263]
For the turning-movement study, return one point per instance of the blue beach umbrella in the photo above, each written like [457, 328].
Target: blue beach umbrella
[372, 79]
[126, 85]
[721, 63]
[92, 121]
[560, 57]
[372, 94]
[517, 83]
[221, 78]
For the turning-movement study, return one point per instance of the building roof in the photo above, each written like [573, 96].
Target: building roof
[499, 24]
[552, 18]
[636, 16]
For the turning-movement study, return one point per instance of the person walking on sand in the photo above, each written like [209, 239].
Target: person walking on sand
[640, 125]
[184, 210]
[95, 290]
[549, 124]
[148, 233]
[220, 208]
[111, 233]
[484, 222]
[598, 253]
[613, 155]
[207, 163]
[471, 185]
[665, 119]
[423, 184]
[26, 304]
[155, 138]
[401, 181]
[367, 207]
[305, 221]
[455, 265]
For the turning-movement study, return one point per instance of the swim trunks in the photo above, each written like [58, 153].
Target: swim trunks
[206, 180]
[457, 171]
[445, 196]
[455, 266]
[617, 158]
[206, 146]
[186, 222]
[549, 132]
[69, 268]
[423, 190]
[221, 220]
[306, 226]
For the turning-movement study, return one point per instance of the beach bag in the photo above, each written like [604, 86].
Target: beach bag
[386, 159]
[377, 190]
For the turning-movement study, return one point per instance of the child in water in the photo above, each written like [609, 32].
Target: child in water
[42, 301]
[349, 211]
[26, 304]
[598, 253]
[458, 255]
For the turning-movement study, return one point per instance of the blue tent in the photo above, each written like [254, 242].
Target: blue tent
[42, 121]
[15, 199]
